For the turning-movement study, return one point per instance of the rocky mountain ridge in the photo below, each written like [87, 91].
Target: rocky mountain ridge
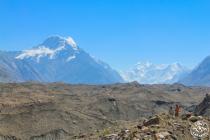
[200, 76]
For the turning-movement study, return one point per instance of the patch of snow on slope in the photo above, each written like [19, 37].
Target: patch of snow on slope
[72, 43]
[39, 52]
[71, 58]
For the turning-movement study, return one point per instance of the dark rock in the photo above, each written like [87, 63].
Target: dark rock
[111, 99]
[194, 118]
[159, 102]
[152, 121]
[204, 107]
[186, 116]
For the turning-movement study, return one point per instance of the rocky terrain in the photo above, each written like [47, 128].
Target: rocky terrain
[158, 127]
[163, 126]
[57, 111]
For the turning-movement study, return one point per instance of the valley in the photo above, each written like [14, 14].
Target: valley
[61, 111]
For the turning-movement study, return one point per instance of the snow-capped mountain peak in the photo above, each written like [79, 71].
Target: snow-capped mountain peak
[143, 65]
[72, 43]
[176, 66]
[149, 73]
[59, 59]
[50, 47]
[55, 42]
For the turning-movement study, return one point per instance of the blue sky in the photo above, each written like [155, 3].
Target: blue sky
[119, 32]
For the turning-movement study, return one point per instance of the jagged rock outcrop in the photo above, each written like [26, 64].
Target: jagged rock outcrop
[204, 107]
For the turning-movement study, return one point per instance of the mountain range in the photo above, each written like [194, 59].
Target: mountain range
[149, 73]
[57, 59]
[60, 59]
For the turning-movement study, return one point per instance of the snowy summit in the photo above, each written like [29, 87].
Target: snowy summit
[50, 47]
[149, 73]
[57, 59]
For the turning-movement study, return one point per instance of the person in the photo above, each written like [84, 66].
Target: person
[177, 110]
[170, 112]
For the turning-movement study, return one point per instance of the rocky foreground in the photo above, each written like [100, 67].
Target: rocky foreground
[34, 111]
[164, 126]
[159, 127]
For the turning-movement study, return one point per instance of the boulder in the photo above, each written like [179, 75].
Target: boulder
[186, 116]
[153, 121]
[162, 135]
[195, 118]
